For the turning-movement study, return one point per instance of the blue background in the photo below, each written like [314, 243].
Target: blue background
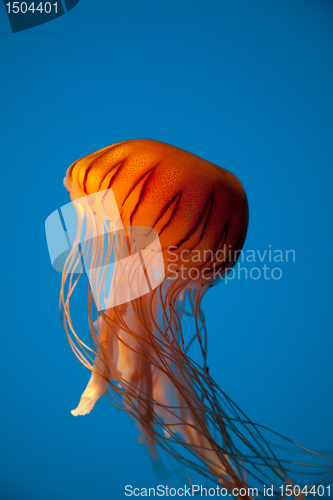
[244, 84]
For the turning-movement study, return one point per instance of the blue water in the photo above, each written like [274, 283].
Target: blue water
[246, 85]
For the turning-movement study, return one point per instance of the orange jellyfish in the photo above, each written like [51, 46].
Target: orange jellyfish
[140, 355]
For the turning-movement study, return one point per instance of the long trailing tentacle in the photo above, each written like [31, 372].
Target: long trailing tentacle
[176, 404]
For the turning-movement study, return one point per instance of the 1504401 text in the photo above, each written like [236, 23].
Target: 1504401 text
[33, 7]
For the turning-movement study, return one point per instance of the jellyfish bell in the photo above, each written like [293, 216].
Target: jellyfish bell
[137, 201]
[193, 204]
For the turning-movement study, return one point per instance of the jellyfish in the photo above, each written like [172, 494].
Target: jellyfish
[140, 354]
